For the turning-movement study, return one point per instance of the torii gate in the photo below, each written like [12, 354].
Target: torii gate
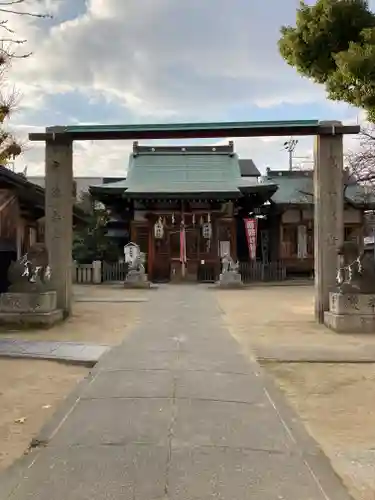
[328, 186]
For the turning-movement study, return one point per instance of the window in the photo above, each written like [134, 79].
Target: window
[289, 242]
[351, 233]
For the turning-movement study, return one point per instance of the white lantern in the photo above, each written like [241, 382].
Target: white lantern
[159, 230]
[207, 230]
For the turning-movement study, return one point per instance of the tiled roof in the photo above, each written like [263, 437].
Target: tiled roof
[184, 173]
[298, 188]
[199, 170]
[248, 168]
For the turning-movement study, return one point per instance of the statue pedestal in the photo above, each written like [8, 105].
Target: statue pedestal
[29, 309]
[136, 279]
[230, 279]
[351, 312]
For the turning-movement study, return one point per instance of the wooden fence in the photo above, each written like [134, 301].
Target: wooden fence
[258, 271]
[250, 272]
[114, 271]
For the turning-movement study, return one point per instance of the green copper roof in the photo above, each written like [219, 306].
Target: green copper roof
[178, 171]
[298, 188]
[192, 130]
[183, 172]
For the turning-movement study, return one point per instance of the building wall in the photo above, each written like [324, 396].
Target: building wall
[16, 232]
[296, 244]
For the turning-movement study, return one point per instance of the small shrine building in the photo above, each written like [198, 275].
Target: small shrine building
[188, 206]
[185, 207]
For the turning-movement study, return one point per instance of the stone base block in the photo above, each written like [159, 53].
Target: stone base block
[352, 303]
[28, 302]
[136, 279]
[350, 323]
[137, 284]
[30, 319]
[230, 280]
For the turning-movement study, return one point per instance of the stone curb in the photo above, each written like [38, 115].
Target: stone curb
[310, 360]
[89, 363]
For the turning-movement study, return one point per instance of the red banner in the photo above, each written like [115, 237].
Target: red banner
[251, 229]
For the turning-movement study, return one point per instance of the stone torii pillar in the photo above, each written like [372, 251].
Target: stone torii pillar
[59, 218]
[328, 214]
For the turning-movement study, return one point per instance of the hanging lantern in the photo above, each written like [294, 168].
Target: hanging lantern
[159, 229]
[173, 219]
[207, 230]
[193, 220]
[208, 217]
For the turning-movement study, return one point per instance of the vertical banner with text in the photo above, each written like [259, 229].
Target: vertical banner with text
[251, 229]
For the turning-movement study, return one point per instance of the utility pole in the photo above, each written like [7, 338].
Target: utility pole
[290, 146]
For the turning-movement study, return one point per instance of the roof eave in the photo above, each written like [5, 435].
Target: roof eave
[215, 195]
[106, 190]
[259, 189]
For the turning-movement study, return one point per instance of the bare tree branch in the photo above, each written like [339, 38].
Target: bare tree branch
[4, 7]
[8, 7]
[10, 147]
[3, 25]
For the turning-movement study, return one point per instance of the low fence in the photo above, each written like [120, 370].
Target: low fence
[208, 273]
[258, 271]
[253, 271]
[250, 272]
[114, 271]
[99, 272]
[84, 274]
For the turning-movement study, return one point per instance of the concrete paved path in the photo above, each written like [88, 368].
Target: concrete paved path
[70, 352]
[176, 412]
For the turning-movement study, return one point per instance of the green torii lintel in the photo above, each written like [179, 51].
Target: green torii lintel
[193, 130]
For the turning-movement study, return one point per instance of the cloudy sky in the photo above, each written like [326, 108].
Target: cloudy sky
[151, 61]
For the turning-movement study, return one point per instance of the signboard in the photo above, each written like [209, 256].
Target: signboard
[224, 248]
[251, 229]
[131, 252]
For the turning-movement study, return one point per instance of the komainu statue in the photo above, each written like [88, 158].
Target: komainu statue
[137, 264]
[228, 265]
[357, 271]
[31, 273]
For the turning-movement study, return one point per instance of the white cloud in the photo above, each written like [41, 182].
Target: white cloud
[169, 56]
[159, 60]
